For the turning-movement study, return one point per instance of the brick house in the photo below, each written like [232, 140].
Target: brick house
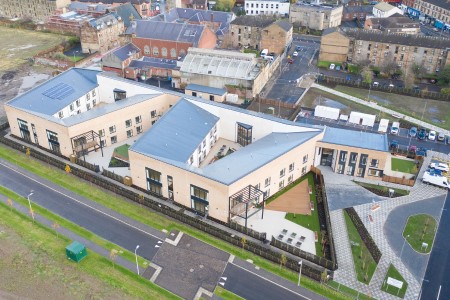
[117, 60]
[102, 34]
[169, 40]
[245, 31]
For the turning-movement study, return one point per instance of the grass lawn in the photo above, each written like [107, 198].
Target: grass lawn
[226, 295]
[46, 246]
[382, 188]
[393, 273]
[252, 51]
[420, 229]
[364, 264]
[403, 165]
[348, 291]
[311, 222]
[326, 64]
[74, 58]
[23, 44]
[411, 106]
[150, 218]
[316, 96]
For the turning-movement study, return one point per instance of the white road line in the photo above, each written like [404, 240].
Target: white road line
[439, 292]
[294, 292]
[80, 202]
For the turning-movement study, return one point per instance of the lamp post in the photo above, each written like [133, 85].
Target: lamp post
[76, 51]
[29, 204]
[403, 246]
[300, 263]
[135, 255]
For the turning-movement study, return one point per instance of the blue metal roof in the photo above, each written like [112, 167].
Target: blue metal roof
[122, 52]
[154, 62]
[359, 139]
[206, 89]
[178, 133]
[252, 157]
[58, 92]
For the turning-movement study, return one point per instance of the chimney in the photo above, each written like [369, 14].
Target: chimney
[212, 18]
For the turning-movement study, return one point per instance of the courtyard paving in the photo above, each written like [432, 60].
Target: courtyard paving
[422, 198]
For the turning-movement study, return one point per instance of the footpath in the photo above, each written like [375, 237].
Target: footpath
[381, 108]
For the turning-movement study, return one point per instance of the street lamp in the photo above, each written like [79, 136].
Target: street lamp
[76, 51]
[29, 204]
[135, 255]
[403, 246]
[300, 263]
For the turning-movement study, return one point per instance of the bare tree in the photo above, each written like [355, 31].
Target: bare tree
[409, 78]
[113, 256]
[243, 242]
[389, 65]
[283, 260]
[418, 70]
[10, 203]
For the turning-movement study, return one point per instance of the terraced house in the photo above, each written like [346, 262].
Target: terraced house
[36, 10]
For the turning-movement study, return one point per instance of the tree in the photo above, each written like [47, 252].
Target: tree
[443, 77]
[243, 242]
[409, 77]
[113, 256]
[324, 276]
[418, 70]
[283, 260]
[389, 66]
[366, 74]
[224, 5]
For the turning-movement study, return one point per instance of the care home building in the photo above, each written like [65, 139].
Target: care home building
[213, 158]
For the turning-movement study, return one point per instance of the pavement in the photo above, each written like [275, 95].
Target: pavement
[385, 228]
[177, 257]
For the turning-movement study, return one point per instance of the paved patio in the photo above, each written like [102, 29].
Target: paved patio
[388, 220]
[273, 224]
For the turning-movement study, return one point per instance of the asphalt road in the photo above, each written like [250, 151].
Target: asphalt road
[253, 287]
[60, 202]
[436, 284]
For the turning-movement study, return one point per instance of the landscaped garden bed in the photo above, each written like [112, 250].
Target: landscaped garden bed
[420, 231]
[381, 190]
[365, 264]
[395, 274]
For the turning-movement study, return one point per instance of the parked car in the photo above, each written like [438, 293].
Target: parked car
[298, 48]
[290, 61]
[395, 127]
[391, 86]
[394, 145]
[413, 131]
[422, 134]
[332, 66]
[338, 68]
[421, 151]
[432, 135]
[412, 148]
[439, 166]
[295, 54]
[376, 84]
[441, 136]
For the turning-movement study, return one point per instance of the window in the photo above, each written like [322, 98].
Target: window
[155, 51]
[112, 129]
[194, 94]
[267, 182]
[211, 97]
[359, 172]
[61, 114]
[88, 97]
[257, 186]
[101, 132]
[182, 52]
[305, 158]
[128, 123]
[304, 170]
[281, 184]
[343, 156]
[53, 141]
[33, 128]
[204, 143]
[153, 114]
[93, 93]
[291, 167]
[164, 52]
[114, 139]
[363, 160]
[290, 178]
[138, 119]
[282, 172]
[191, 160]
[119, 94]
[88, 106]
[374, 163]
[129, 133]
[78, 102]
[153, 181]
[71, 107]
[24, 132]
[173, 53]
[373, 172]
[353, 157]
[146, 50]
[139, 129]
[244, 134]
[199, 199]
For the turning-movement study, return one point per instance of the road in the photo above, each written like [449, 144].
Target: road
[108, 226]
[66, 204]
[437, 277]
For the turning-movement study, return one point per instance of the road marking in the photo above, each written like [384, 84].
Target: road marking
[80, 202]
[439, 292]
[283, 287]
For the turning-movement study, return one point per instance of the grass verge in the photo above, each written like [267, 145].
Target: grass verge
[312, 221]
[420, 229]
[226, 295]
[150, 218]
[43, 239]
[403, 165]
[382, 188]
[73, 227]
[348, 291]
[364, 264]
[393, 273]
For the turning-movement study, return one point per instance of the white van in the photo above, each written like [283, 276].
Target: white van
[264, 53]
[436, 180]
[384, 124]
[395, 128]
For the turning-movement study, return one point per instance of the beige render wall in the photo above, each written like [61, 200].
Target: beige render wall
[372, 154]
[182, 179]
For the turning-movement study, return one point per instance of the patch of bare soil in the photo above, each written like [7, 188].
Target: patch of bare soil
[29, 273]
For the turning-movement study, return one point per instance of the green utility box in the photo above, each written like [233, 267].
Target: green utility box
[76, 251]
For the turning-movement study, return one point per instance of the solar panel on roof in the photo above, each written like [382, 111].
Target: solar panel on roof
[59, 91]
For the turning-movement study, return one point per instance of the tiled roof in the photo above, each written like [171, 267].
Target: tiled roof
[125, 11]
[123, 52]
[358, 9]
[253, 21]
[286, 26]
[101, 22]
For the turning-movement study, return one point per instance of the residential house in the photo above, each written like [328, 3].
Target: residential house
[245, 31]
[267, 7]
[316, 17]
[117, 60]
[356, 12]
[277, 37]
[37, 11]
[384, 10]
[394, 24]
[102, 34]
[435, 12]
[143, 7]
